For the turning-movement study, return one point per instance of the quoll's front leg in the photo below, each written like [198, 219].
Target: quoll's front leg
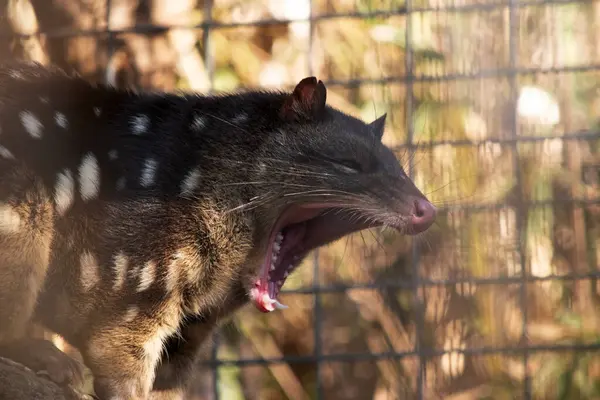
[123, 357]
[26, 233]
[121, 367]
[178, 363]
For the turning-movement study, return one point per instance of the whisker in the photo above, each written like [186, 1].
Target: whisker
[264, 183]
[255, 202]
[307, 169]
[226, 122]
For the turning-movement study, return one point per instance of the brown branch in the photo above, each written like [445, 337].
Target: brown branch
[20, 383]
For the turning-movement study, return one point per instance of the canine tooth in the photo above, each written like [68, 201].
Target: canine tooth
[279, 237]
[273, 303]
[272, 267]
[279, 306]
[274, 257]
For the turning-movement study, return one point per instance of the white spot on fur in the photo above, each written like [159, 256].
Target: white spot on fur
[89, 177]
[173, 272]
[120, 263]
[190, 182]
[32, 124]
[192, 274]
[131, 313]
[147, 276]
[148, 172]
[61, 120]
[134, 271]
[113, 154]
[16, 74]
[121, 183]
[140, 124]
[97, 111]
[239, 119]
[262, 167]
[10, 220]
[5, 153]
[64, 191]
[89, 270]
[199, 123]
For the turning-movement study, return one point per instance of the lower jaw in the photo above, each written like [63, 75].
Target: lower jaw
[264, 286]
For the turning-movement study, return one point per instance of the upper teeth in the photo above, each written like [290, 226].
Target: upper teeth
[272, 304]
[276, 249]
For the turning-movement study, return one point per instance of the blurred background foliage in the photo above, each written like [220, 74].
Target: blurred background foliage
[476, 82]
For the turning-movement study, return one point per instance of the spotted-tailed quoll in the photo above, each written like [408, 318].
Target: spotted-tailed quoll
[132, 223]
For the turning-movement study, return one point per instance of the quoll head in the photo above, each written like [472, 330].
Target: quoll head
[319, 175]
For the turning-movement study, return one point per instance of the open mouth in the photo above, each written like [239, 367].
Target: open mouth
[301, 229]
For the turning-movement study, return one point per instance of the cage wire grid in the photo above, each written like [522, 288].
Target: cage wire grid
[419, 282]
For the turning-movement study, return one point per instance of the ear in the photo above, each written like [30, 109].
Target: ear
[378, 126]
[307, 100]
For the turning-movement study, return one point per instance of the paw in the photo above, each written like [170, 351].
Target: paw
[47, 361]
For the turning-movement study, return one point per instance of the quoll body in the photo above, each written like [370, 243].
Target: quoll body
[131, 223]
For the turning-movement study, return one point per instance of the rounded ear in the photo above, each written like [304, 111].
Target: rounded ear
[307, 101]
[378, 126]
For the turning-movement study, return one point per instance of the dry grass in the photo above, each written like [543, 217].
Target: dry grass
[484, 244]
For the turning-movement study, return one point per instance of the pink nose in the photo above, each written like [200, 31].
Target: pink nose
[423, 216]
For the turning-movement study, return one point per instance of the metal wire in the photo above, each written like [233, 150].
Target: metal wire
[419, 310]
[318, 310]
[519, 212]
[354, 357]
[418, 283]
[156, 28]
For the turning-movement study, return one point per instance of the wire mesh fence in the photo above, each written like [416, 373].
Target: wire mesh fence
[501, 300]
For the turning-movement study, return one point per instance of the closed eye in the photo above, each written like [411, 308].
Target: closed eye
[348, 166]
